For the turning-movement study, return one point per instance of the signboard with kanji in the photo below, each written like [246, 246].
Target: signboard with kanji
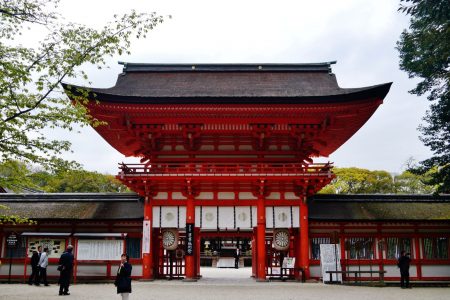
[190, 239]
[12, 240]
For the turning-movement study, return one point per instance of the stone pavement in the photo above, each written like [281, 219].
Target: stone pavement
[223, 284]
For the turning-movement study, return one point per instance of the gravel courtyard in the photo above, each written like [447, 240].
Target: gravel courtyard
[220, 285]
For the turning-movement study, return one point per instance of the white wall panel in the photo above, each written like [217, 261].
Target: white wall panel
[225, 195]
[247, 196]
[254, 216]
[435, 271]
[274, 196]
[243, 218]
[209, 217]
[282, 216]
[169, 217]
[295, 216]
[226, 217]
[155, 215]
[269, 216]
[197, 216]
[91, 270]
[182, 217]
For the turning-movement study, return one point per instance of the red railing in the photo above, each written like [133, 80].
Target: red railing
[225, 169]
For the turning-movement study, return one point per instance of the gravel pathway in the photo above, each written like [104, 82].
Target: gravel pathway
[224, 284]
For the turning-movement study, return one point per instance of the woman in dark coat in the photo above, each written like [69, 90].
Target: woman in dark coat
[123, 279]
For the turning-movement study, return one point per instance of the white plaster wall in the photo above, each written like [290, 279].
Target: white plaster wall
[225, 195]
[161, 196]
[197, 216]
[209, 217]
[169, 217]
[246, 196]
[177, 195]
[226, 217]
[436, 271]
[282, 216]
[394, 271]
[137, 270]
[205, 196]
[274, 196]
[16, 269]
[243, 217]
[155, 214]
[254, 216]
[91, 270]
[290, 196]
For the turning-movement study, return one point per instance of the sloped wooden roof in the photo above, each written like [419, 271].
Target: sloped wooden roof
[230, 83]
[91, 206]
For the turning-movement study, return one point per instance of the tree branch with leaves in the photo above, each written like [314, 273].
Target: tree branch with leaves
[31, 97]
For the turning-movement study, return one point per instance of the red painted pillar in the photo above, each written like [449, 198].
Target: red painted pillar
[304, 238]
[261, 240]
[197, 252]
[190, 253]
[147, 253]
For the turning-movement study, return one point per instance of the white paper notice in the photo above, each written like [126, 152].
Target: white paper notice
[146, 237]
[99, 249]
[330, 260]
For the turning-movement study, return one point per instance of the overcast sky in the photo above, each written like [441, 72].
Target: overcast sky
[360, 35]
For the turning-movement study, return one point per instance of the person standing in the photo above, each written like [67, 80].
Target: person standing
[43, 263]
[65, 268]
[123, 279]
[403, 263]
[34, 268]
[37, 277]
[237, 254]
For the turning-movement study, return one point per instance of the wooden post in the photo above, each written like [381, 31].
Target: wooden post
[147, 256]
[304, 238]
[261, 239]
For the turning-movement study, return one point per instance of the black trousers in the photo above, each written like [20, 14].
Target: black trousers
[404, 278]
[34, 277]
[64, 282]
[42, 275]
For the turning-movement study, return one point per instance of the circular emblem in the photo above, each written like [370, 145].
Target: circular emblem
[281, 239]
[209, 217]
[170, 216]
[242, 216]
[170, 239]
[282, 217]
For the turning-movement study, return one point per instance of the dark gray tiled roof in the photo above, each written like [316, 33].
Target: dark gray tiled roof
[83, 206]
[379, 207]
[231, 83]
[321, 207]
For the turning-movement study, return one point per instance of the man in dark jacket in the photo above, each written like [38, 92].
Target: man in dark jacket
[123, 279]
[34, 277]
[65, 267]
[403, 263]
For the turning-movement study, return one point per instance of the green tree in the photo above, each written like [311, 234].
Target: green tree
[31, 97]
[359, 181]
[15, 175]
[425, 54]
[410, 183]
[81, 181]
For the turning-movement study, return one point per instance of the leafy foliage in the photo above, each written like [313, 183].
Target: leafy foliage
[363, 181]
[425, 53]
[22, 178]
[12, 219]
[31, 97]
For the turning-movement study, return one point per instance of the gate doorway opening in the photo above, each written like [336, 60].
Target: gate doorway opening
[226, 255]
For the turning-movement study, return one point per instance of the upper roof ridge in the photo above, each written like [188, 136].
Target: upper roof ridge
[228, 67]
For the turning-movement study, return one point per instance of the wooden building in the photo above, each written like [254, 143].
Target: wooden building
[227, 153]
